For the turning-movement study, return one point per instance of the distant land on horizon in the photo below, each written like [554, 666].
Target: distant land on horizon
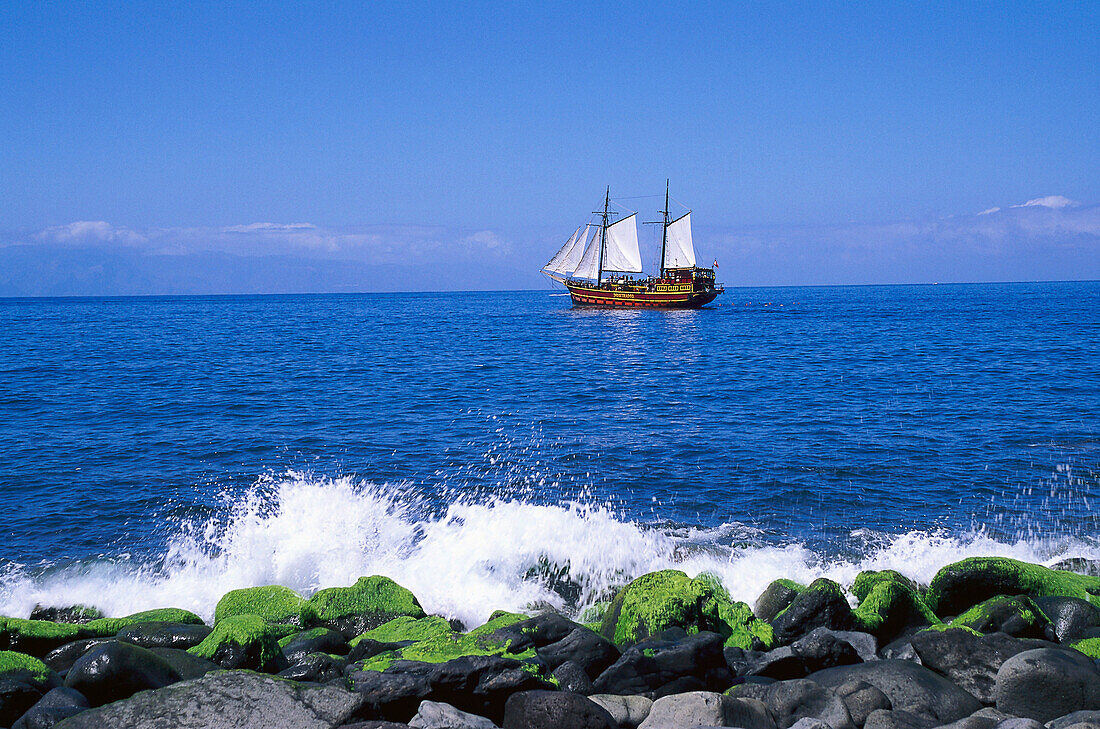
[1044, 239]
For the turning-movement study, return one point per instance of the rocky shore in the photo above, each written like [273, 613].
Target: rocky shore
[991, 643]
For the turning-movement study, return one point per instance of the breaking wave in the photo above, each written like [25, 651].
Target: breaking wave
[469, 557]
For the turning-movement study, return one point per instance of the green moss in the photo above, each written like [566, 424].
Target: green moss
[112, 626]
[594, 627]
[944, 627]
[405, 628]
[243, 630]
[1089, 646]
[961, 585]
[499, 619]
[15, 628]
[867, 580]
[273, 603]
[987, 616]
[790, 584]
[661, 600]
[593, 613]
[890, 605]
[368, 596]
[19, 665]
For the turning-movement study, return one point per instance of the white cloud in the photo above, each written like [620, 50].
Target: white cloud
[990, 211]
[90, 231]
[1050, 201]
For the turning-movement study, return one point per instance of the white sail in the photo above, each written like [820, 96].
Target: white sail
[679, 251]
[621, 253]
[565, 260]
[589, 264]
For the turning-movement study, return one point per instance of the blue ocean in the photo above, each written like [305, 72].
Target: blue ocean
[504, 450]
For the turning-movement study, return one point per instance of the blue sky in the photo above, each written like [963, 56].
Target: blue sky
[443, 133]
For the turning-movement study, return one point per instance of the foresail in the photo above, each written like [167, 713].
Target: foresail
[589, 265]
[621, 253]
[679, 250]
[565, 260]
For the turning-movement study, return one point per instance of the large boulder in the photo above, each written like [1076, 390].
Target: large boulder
[821, 648]
[23, 680]
[273, 603]
[910, 687]
[554, 710]
[430, 640]
[702, 708]
[820, 605]
[627, 711]
[117, 670]
[71, 614]
[438, 715]
[589, 650]
[242, 641]
[1046, 683]
[370, 602]
[970, 660]
[861, 698]
[1015, 615]
[1071, 617]
[958, 586]
[658, 667]
[316, 667]
[63, 657]
[59, 703]
[790, 701]
[188, 666]
[39, 637]
[660, 600]
[314, 640]
[164, 635]
[225, 699]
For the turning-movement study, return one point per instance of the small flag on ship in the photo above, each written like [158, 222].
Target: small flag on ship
[716, 263]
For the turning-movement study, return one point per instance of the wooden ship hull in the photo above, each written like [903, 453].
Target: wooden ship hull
[658, 296]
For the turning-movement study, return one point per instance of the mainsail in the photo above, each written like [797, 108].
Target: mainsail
[565, 261]
[679, 251]
[621, 253]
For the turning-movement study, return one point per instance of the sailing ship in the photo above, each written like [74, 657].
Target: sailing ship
[596, 263]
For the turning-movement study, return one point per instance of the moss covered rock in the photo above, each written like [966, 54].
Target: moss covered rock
[242, 641]
[106, 627]
[70, 614]
[889, 605]
[435, 642]
[15, 666]
[667, 599]
[959, 586]
[367, 604]
[273, 603]
[1016, 615]
[821, 605]
[39, 637]
[1089, 646]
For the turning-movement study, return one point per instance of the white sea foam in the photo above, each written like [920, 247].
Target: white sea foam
[474, 557]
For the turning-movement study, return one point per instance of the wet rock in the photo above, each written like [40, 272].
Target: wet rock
[59, 703]
[1071, 617]
[889, 605]
[164, 635]
[538, 632]
[775, 599]
[821, 605]
[910, 687]
[369, 603]
[821, 648]
[316, 667]
[62, 658]
[16, 698]
[369, 648]
[437, 715]
[1017, 616]
[1047, 683]
[861, 698]
[1018, 723]
[117, 670]
[789, 701]
[395, 694]
[702, 708]
[39, 637]
[627, 711]
[591, 651]
[185, 664]
[648, 667]
[970, 661]
[571, 677]
[554, 710]
[315, 640]
[225, 699]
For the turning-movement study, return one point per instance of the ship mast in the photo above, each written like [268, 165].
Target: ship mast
[603, 236]
[664, 234]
